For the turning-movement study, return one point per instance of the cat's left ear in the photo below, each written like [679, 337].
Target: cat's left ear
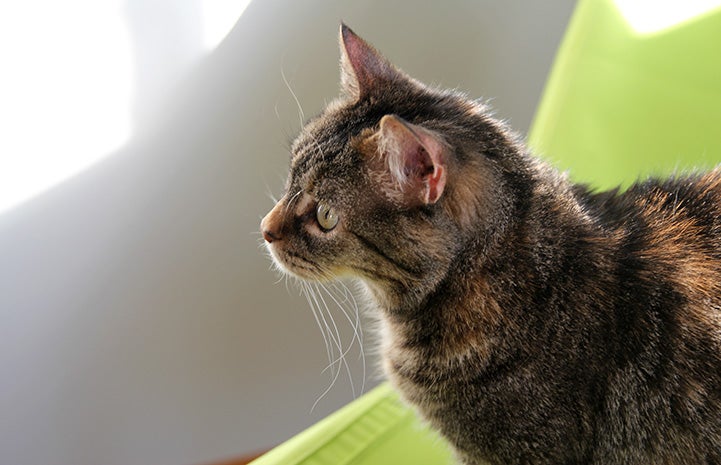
[362, 67]
[415, 158]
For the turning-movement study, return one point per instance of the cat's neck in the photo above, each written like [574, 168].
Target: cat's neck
[488, 286]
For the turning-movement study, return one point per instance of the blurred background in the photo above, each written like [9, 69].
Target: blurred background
[140, 144]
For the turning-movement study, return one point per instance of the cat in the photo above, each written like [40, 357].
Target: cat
[528, 319]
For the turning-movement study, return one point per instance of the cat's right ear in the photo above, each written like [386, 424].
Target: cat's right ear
[363, 68]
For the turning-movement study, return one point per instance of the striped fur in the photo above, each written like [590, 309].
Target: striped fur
[528, 319]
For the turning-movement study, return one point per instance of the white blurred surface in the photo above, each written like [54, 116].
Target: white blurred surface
[139, 320]
[652, 16]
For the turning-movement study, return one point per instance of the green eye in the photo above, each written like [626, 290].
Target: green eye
[326, 216]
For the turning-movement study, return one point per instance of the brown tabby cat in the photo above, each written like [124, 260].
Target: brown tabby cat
[528, 319]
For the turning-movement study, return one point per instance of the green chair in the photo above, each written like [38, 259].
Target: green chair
[622, 104]
[623, 101]
[374, 429]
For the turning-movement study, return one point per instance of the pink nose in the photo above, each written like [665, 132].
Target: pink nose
[271, 225]
[270, 236]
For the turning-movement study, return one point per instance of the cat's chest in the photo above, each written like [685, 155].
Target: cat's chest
[435, 383]
[461, 413]
[485, 409]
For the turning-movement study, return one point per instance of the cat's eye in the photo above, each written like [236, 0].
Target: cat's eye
[326, 216]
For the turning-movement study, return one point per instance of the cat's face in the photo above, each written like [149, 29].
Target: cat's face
[375, 188]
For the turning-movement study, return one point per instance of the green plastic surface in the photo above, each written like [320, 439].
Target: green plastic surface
[374, 429]
[618, 105]
[621, 105]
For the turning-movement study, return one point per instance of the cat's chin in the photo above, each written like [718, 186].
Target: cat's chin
[297, 267]
[292, 266]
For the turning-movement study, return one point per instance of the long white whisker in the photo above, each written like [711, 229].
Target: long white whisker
[354, 324]
[290, 201]
[269, 194]
[351, 299]
[341, 353]
[356, 336]
[327, 390]
[332, 320]
[287, 289]
[335, 373]
[301, 114]
[338, 293]
[305, 287]
[288, 204]
[337, 340]
[329, 332]
[357, 329]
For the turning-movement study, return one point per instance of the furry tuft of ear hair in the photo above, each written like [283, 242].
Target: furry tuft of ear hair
[415, 158]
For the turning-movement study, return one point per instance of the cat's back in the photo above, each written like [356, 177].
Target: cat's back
[663, 215]
[666, 243]
[664, 236]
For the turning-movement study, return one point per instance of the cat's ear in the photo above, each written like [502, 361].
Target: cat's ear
[362, 67]
[415, 158]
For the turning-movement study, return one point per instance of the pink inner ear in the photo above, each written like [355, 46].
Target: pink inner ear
[418, 162]
[436, 183]
[368, 66]
[414, 157]
[436, 179]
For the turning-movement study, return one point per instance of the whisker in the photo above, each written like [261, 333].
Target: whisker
[337, 349]
[301, 114]
[342, 353]
[357, 330]
[329, 331]
[270, 195]
[341, 358]
[330, 316]
[334, 373]
[306, 291]
[289, 204]
[332, 342]
[327, 390]
[275, 107]
[285, 281]
[356, 335]
[293, 198]
[349, 297]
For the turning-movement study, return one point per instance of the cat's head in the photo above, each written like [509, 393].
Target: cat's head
[390, 181]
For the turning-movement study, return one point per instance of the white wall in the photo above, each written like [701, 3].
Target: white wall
[139, 321]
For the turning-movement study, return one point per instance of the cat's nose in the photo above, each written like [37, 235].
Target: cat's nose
[270, 236]
[270, 226]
